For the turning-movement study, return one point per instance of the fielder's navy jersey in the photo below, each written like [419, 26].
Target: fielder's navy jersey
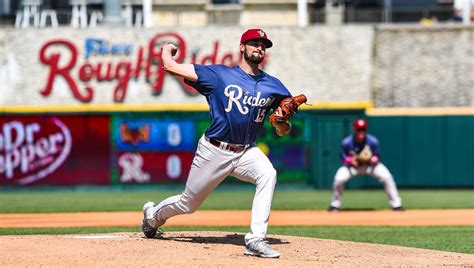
[350, 147]
[238, 101]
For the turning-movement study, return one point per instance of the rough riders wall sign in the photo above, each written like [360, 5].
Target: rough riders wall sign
[65, 63]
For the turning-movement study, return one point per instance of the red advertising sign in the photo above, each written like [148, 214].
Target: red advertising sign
[150, 167]
[54, 150]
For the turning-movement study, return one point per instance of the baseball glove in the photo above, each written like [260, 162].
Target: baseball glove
[363, 158]
[288, 107]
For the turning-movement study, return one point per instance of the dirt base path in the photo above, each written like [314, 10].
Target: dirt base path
[209, 249]
[242, 218]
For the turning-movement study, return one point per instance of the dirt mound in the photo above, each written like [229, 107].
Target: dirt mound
[178, 249]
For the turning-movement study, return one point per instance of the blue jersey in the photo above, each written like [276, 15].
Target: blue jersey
[350, 147]
[238, 101]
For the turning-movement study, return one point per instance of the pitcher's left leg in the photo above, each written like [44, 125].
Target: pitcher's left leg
[254, 167]
[381, 172]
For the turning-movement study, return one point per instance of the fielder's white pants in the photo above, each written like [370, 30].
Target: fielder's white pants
[211, 165]
[378, 172]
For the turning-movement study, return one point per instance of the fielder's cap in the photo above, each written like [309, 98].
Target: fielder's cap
[256, 34]
[360, 124]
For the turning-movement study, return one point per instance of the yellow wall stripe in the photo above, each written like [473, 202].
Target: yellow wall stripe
[367, 105]
[159, 107]
[370, 111]
[435, 111]
[338, 105]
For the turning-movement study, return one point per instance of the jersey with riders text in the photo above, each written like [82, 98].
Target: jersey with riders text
[238, 102]
[350, 147]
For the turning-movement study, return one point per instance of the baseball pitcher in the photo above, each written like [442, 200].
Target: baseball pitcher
[239, 99]
[360, 156]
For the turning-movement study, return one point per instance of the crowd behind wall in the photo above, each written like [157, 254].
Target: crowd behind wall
[243, 12]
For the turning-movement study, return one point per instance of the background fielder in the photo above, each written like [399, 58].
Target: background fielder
[239, 98]
[360, 156]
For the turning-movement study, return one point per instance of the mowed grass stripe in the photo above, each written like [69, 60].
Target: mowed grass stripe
[71, 201]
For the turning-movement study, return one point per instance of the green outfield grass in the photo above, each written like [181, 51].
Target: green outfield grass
[72, 201]
[453, 238]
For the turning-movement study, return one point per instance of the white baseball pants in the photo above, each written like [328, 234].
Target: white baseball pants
[378, 172]
[211, 165]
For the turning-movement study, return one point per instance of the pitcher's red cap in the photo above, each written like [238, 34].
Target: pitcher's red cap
[360, 124]
[256, 34]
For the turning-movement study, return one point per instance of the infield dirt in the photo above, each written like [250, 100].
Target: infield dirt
[209, 249]
[222, 249]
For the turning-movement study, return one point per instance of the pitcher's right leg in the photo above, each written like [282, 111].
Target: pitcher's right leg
[255, 167]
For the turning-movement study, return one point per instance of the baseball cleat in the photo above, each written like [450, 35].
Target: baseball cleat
[148, 230]
[261, 249]
[333, 209]
[398, 209]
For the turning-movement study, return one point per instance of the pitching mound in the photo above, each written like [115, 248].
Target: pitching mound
[179, 249]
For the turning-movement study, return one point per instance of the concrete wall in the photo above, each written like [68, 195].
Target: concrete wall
[423, 66]
[402, 66]
[327, 64]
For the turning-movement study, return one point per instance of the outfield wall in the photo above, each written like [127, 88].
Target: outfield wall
[430, 150]
[94, 106]
[423, 148]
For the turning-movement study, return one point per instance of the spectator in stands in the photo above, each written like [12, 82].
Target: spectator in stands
[429, 21]
[458, 10]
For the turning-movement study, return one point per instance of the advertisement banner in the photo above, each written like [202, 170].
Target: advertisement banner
[153, 135]
[289, 154]
[94, 149]
[54, 150]
[151, 167]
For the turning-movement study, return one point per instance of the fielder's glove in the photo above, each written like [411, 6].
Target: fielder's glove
[288, 107]
[363, 158]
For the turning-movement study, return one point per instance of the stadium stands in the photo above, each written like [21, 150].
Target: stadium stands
[79, 13]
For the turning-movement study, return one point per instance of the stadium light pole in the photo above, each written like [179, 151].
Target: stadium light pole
[113, 13]
[387, 9]
[302, 7]
[466, 12]
[147, 10]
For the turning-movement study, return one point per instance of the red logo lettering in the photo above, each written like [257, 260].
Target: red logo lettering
[55, 70]
[64, 64]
